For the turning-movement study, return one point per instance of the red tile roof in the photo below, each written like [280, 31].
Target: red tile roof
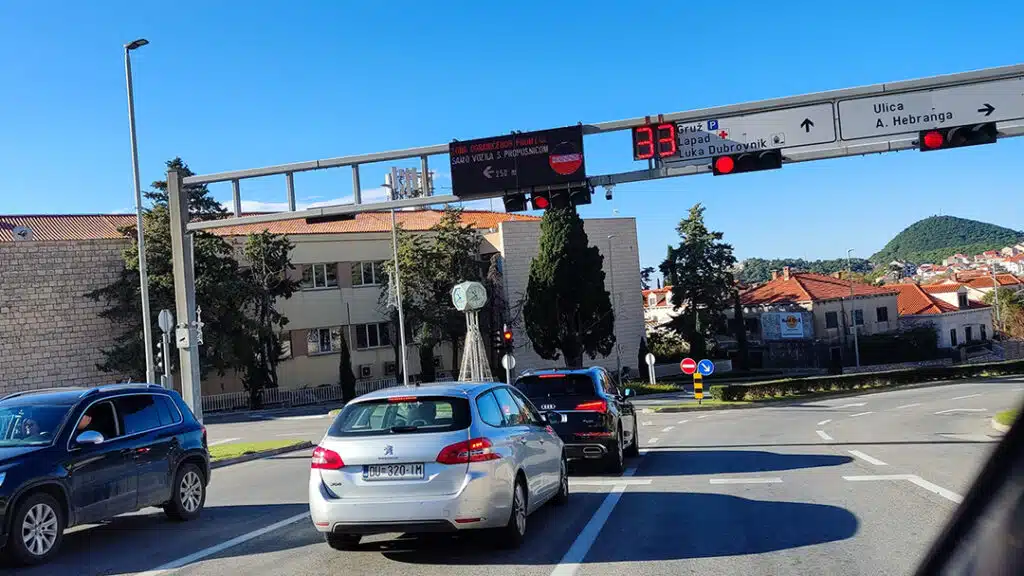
[986, 281]
[807, 287]
[913, 299]
[104, 226]
[943, 288]
[663, 296]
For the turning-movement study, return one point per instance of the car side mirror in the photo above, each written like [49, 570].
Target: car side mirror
[553, 417]
[628, 393]
[89, 437]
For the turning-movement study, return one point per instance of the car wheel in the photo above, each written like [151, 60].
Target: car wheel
[634, 448]
[562, 496]
[188, 496]
[513, 534]
[342, 541]
[36, 530]
[616, 459]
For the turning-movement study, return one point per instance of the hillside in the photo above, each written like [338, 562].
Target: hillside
[755, 270]
[937, 237]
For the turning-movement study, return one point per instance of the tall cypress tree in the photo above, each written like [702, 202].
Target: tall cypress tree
[568, 312]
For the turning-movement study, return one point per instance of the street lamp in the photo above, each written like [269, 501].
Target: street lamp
[618, 348]
[853, 315]
[147, 328]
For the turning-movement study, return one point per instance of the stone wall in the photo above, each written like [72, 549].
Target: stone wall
[50, 333]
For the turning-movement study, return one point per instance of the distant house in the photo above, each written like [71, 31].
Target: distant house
[657, 308]
[957, 324]
[1015, 264]
[981, 285]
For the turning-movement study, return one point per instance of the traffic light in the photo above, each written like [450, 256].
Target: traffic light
[574, 196]
[158, 358]
[507, 339]
[580, 195]
[540, 200]
[746, 162]
[957, 137]
[515, 202]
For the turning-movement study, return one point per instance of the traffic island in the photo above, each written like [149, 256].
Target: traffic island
[237, 452]
[1003, 420]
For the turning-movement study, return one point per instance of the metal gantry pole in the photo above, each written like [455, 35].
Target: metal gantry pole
[184, 296]
[853, 311]
[147, 324]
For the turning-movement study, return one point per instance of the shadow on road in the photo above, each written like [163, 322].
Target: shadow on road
[698, 462]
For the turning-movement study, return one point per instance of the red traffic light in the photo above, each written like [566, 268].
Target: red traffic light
[933, 140]
[724, 165]
[541, 202]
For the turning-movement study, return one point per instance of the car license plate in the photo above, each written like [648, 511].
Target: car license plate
[393, 472]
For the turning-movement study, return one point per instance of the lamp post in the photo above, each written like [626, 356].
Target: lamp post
[147, 325]
[853, 312]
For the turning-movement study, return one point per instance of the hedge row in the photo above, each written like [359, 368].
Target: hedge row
[798, 386]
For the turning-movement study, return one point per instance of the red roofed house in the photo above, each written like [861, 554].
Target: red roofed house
[813, 308]
[657, 307]
[979, 286]
[1015, 264]
[51, 335]
[957, 324]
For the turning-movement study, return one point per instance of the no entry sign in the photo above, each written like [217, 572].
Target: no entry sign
[688, 366]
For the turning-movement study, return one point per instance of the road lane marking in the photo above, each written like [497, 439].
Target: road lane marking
[574, 556]
[648, 423]
[854, 405]
[703, 416]
[644, 451]
[916, 480]
[745, 480]
[310, 417]
[610, 482]
[292, 434]
[951, 410]
[224, 441]
[866, 458]
[682, 422]
[908, 405]
[1016, 389]
[652, 441]
[667, 428]
[823, 422]
[861, 414]
[966, 397]
[206, 552]
[824, 435]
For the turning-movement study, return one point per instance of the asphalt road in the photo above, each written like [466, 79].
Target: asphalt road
[855, 485]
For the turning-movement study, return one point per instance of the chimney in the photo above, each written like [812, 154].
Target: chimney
[837, 275]
[785, 272]
[775, 274]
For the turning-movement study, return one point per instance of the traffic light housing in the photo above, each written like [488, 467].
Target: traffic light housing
[573, 196]
[540, 200]
[158, 358]
[515, 202]
[746, 162]
[957, 136]
[507, 340]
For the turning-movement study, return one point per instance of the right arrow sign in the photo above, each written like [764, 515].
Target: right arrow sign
[987, 109]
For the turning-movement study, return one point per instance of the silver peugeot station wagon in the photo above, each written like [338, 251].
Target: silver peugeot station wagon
[437, 458]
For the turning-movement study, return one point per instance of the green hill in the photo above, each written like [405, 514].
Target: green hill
[937, 237]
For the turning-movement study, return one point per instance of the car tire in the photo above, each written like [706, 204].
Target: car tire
[615, 462]
[514, 532]
[342, 541]
[562, 496]
[634, 448]
[37, 530]
[188, 495]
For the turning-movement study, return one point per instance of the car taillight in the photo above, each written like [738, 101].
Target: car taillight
[475, 450]
[204, 434]
[325, 459]
[595, 406]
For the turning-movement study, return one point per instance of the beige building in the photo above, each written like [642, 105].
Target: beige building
[51, 335]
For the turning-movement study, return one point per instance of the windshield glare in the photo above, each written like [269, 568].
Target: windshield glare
[30, 424]
[402, 416]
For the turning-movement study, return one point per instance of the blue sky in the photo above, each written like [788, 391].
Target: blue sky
[230, 85]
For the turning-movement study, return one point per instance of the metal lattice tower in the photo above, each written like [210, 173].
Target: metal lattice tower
[475, 367]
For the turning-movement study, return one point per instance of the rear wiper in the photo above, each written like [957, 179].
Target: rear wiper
[401, 429]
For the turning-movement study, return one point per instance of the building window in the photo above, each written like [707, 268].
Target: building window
[962, 299]
[882, 314]
[652, 300]
[376, 335]
[858, 317]
[323, 340]
[367, 273]
[952, 337]
[365, 370]
[437, 362]
[984, 335]
[319, 276]
[967, 334]
[390, 368]
[831, 320]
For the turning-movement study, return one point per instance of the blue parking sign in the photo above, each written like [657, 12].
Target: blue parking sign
[712, 125]
[706, 367]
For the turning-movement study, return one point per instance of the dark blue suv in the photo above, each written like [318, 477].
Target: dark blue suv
[83, 455]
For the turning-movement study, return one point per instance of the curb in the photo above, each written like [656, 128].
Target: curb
[1000, 427]
[261, 455]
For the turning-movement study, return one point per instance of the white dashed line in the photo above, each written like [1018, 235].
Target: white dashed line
[703, 416]
[648, 423]
[745, 480]
[682, 422]
[667, 428]
[823, 422]
[866, 458]
[966, 397]
[851, 405]
[652, 441]
[824, 435]
[917, 480]
[951, 410]
[609, 482]
[224, 441]
[907, 406]
[860, 414]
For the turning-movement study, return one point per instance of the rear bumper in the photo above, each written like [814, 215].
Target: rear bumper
[483, 501]
[588, 450]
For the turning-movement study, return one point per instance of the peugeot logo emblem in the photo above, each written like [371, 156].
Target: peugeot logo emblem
[389, 450]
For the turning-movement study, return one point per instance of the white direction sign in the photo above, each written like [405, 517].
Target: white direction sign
[788, 128]
[911, 112]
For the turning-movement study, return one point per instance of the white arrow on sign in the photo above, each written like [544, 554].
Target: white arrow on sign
[487, 172]
[911, 112]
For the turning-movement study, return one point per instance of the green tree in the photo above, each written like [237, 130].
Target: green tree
[703, 284]
[567, 312]
[268, 258]
[218, 284]
[645, 277]
[346, 377]
[1011, 312]
[641, 360]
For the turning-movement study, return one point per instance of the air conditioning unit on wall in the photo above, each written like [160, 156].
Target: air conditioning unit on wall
[365, 371]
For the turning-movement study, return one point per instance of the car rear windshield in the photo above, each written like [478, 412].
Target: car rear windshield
[402, 415]
[554, 385]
